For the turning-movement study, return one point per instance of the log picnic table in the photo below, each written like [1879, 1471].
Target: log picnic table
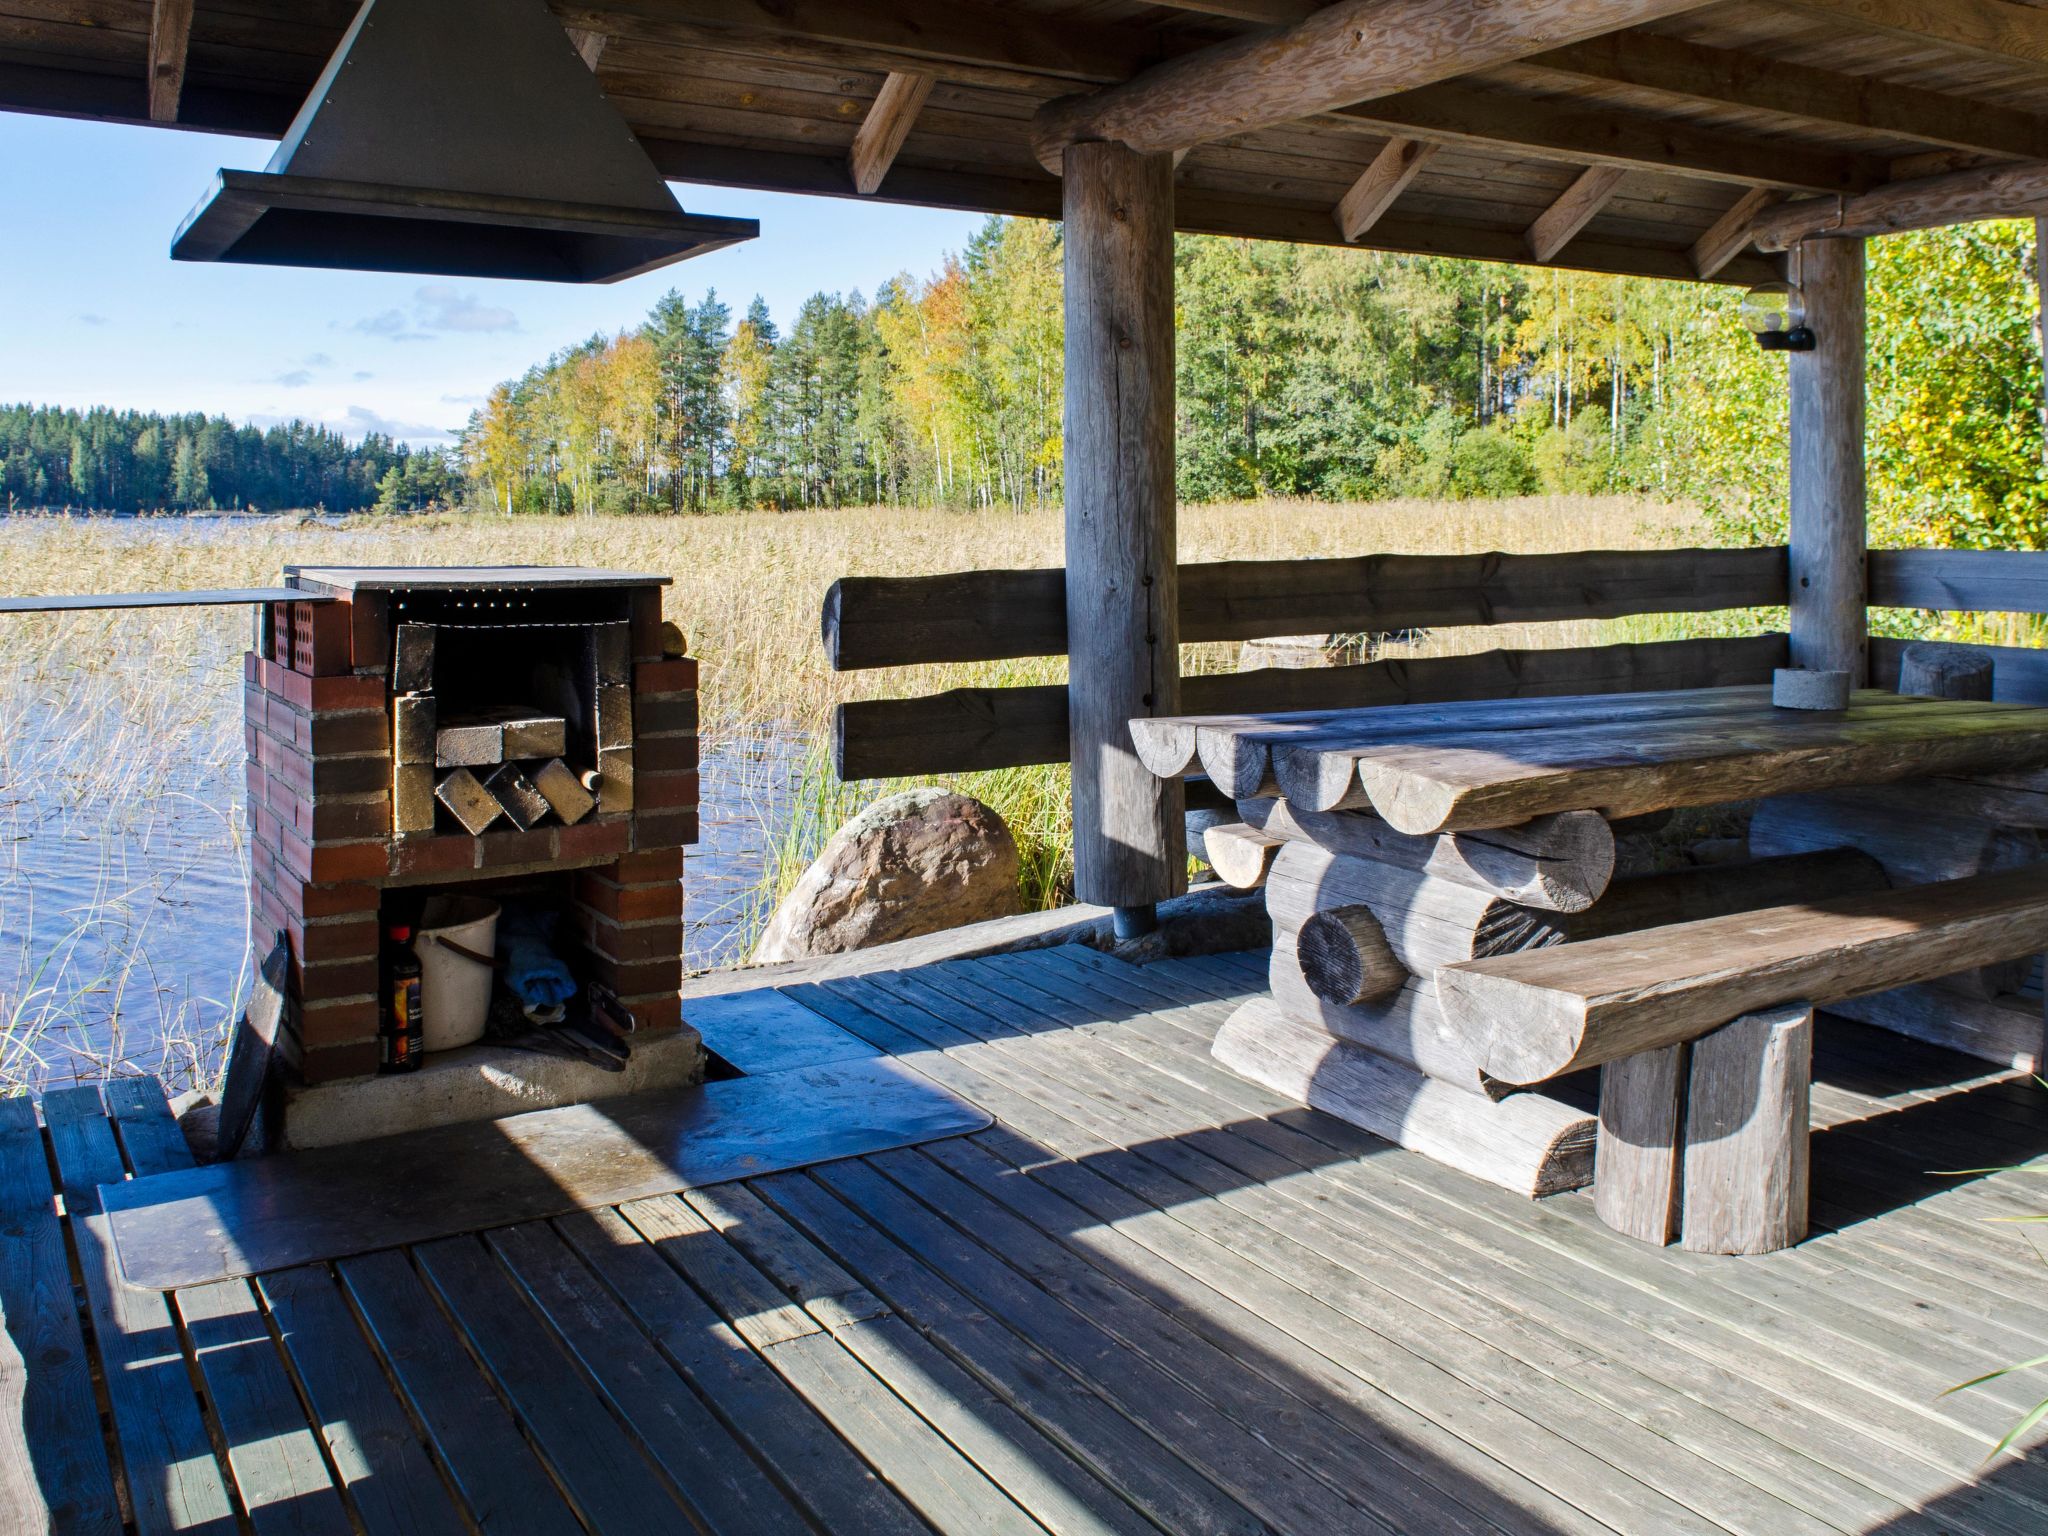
[1451, 942]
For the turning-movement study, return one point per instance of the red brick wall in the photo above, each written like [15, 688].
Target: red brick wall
[317, 715]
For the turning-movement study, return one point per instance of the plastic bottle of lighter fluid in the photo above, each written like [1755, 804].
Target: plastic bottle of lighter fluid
[400, 1036]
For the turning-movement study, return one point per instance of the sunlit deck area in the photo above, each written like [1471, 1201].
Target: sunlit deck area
[1150, 1297]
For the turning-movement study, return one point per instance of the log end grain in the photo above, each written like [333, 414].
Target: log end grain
[1345, 958]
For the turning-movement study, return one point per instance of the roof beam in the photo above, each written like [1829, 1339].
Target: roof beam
[1458, 112]
[886, 126]
[1197, 210]
[1992, 29]
[1727, 77]
[1384, 181]
[1559, 224]
[170, 34]
[1930, 202]
[988, 39]
[1352, 51]
[1730, 235]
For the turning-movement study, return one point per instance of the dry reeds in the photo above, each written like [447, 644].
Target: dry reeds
[121, 720]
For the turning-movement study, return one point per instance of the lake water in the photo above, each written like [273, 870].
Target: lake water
[123, 860]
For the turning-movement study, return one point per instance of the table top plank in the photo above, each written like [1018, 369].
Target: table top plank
[1497, 763]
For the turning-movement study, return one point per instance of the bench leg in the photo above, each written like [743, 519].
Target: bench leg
[1747, 1134]
[1638, 1163]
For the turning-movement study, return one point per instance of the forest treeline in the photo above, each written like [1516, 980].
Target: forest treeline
[135, 461]
[1303, 371]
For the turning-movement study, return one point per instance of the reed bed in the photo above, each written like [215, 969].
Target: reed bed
[121, 733]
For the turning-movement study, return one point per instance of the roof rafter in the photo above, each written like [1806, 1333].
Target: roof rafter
[1559, 224]
[1730, 235]
[1375, 191]
[1729, 77]
[886, 126]
[1458, 112]
[170, 35]
[1993, 29]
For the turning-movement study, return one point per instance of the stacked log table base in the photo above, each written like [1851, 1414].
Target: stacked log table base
[1362, 916]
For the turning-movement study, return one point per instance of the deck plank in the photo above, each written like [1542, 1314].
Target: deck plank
[281, 1476]
[174, 1481]
[501, 1483]
[53, 1462]
[924, 1469]
[705, 1466]
[810, 1462]
[392, 1485]
[1150, 1296]
[610, 1483]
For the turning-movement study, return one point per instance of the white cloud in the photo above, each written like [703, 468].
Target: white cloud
[319, 360]
[361, 420]
[462, 399]
[364, 373]
[92, 319]
[441, 308]
[298, 378]
[392, 325]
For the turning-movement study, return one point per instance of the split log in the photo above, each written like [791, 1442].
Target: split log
[413, 729]
[1747, 1134]
[1241, 855]
[1558, 1009]
[1917, 832]
[525, 805]
[1560, 863]
[1946, 671]
[2006, 1030]
[1638, 1164]
[1530, 1144]
[1406, 1027]
[1643, 902]
[1428, 922]
[1502, 779]
[468, 801]
[1312, 757]
[614, 780]
[1345, 959]
[565, 791]
[412, 798]
[412, 659]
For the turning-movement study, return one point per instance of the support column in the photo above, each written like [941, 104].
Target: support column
[1828, 535]
[1123, 621]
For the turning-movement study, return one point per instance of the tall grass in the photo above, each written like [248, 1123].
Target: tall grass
[125, 721]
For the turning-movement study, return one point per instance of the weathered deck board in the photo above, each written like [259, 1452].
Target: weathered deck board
[1150, 1297]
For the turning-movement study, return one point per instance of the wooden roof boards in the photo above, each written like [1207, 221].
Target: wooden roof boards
[1700, 108]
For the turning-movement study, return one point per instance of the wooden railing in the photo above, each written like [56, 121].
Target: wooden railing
[1965, 581]
[1000, 615]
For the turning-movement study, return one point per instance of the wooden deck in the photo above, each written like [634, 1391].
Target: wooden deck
[1151, 1298]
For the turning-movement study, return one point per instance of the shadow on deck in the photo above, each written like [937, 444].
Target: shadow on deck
[1150, 1298]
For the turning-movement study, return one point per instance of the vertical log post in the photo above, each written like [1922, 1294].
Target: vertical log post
[1123, 637]
[1828, 537]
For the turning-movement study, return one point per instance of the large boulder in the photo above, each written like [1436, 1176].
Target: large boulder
[911, 863]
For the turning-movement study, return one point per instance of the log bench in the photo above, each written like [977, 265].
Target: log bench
[1704, 1034]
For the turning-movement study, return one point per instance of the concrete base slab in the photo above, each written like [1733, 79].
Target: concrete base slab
[478, 1082]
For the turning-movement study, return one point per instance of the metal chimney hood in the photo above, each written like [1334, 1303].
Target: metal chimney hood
[458, 138]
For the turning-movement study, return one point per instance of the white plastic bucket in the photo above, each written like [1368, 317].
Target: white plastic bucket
[455, 990]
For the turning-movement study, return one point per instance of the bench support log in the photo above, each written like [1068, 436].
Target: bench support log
[1747, 1134]
[1637, 1166]
[1123, 607]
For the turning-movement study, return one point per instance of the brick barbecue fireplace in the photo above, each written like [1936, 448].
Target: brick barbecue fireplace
[505, 731]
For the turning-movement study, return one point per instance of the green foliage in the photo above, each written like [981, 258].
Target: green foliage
[131, 461]
[1955, 390]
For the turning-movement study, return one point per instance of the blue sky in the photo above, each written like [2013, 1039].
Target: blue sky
[94, 312]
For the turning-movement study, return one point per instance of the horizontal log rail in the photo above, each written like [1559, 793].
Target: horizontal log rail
[894, 621]
[1960, 580]
[968, 730]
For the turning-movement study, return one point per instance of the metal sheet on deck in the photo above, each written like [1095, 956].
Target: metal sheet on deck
[244, 1218]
